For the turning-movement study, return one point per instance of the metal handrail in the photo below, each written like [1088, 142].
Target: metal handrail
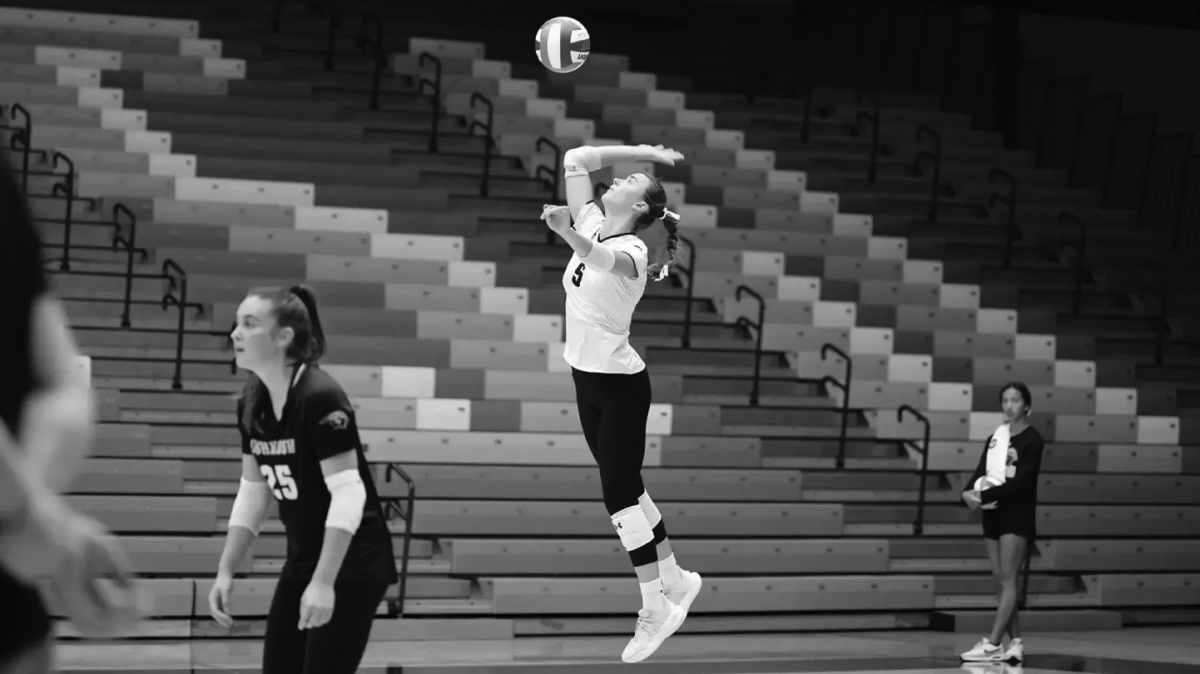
[488, 129]
[758, 328]
[1011, 200]
[936, 158]
[374, 46]
[130, 244]
[919, 524]
[1066, 217]
[436, 95]
[845, 388]
[556, 172]
[873, 117]
[180, 301]
[392, 506]
[26, 135]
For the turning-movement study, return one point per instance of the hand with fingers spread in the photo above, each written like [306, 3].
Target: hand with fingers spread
[662, 155]
[90, 575]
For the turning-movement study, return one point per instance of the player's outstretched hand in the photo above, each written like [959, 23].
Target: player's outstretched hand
[218, 600]
[96, 587]
[663, 155]
[316, 605]
[557, 217]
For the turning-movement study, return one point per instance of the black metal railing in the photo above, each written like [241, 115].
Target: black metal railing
[690, 292]
[488, 142]
[923, 449]
[435, 86]
[67, 189]
[130, 245]
[24, 135]
[872, 117]
[844, 387]
[742, 321]
[553, 182]
[936, 159]
[277, 17]
[177, 295]
[331, 29]
[1162, 293]
[1066, 217]
[806, 91]
[392, 506]
[1010, 230]
[371, 41]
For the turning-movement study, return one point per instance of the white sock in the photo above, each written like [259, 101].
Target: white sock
[669, 571]
[652, 596]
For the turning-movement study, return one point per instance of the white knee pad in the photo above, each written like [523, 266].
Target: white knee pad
[652, 514]
[633, 528]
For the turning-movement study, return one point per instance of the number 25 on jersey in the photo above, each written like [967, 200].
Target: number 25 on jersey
[281, 482]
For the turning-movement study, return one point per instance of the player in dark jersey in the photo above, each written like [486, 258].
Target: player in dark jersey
[300, 447]
[1004, 486]
[46, 428]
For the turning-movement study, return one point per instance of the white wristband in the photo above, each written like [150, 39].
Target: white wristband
[347, 496]
[581, 161]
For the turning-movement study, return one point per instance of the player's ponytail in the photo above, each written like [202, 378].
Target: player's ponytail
[670, 222]
[309, 344]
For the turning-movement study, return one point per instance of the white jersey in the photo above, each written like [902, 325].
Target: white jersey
[600, 304]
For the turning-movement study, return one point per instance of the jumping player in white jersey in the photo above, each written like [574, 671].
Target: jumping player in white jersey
[300, 449]
[604, 281]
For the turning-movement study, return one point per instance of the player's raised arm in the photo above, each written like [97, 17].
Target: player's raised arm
[580, 162]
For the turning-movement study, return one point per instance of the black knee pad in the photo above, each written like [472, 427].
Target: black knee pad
[660, 532]
[645, 555]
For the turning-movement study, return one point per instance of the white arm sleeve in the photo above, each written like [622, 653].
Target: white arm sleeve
[250, 506]
[602, 257]
[347, 496]
[581, 161]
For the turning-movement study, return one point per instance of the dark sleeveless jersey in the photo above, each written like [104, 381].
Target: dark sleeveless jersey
[318, 423]
[23, 621]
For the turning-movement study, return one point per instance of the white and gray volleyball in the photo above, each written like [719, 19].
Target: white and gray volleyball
[563, 44]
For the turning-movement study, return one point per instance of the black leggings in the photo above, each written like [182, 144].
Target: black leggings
[333, 648]
[613, 409]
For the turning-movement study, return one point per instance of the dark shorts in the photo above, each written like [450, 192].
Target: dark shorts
[1019, 521]
[24, 621]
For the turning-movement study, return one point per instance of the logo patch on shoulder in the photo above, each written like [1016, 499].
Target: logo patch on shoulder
[336, 420]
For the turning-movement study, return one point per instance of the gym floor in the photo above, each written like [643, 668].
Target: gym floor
[1165, 650]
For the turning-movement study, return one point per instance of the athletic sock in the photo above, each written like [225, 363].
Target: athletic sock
[669, 571]
[652, 596]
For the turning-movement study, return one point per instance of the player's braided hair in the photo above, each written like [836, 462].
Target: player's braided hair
[656, 199]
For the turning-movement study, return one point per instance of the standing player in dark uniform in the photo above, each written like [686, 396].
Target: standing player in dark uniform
[1004, 486]
[604, 281]
[46, 428]
[300, 447]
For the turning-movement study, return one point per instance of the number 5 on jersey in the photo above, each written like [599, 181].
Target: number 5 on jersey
[281, 482]
[578, 277]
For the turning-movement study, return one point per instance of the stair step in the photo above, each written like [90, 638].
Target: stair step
[1047, 620]
[989, 601]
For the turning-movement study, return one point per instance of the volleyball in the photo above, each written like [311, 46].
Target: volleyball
[986, 482]
[562, 44]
